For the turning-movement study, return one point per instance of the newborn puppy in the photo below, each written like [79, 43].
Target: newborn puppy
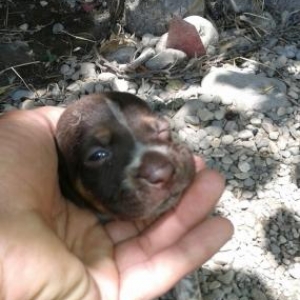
[116, 157]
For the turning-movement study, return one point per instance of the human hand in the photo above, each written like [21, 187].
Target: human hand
[51, 249]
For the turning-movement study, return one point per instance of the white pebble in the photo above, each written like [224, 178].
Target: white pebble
[274, 135]
[255, 121]
[205, 115]
[227, 139]
[245, 134]
[244, 166]
[24, 27]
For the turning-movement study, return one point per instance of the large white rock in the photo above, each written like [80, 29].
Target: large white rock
[246, 91]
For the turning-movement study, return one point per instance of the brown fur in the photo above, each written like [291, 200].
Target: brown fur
[116, 156]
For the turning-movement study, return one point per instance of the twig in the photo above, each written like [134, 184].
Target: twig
[16, 72]
[78, 37]
[293, 101]
[21, 65]
[6, 14]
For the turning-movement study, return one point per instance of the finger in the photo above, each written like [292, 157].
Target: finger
[196, 205]
[155, 275]
[52, 114]
[199, 163]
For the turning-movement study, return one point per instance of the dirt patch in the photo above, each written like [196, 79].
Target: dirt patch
[28, 34]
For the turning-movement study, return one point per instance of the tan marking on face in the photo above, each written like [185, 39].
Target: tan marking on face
[103, 135]
[88, 197]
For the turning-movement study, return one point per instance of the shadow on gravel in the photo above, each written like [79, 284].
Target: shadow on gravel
[244, 285]
[282, 237]
[296, 175]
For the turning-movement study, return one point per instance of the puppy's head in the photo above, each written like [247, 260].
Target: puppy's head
[118, 157]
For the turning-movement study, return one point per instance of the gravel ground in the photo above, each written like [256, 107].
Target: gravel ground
[247, 128]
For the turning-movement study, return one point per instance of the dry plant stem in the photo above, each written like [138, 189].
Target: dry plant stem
[21, 78]
[18, 66]
[78, 37]
[6, 14]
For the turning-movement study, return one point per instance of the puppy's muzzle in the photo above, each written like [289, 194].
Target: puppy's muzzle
[154, 180]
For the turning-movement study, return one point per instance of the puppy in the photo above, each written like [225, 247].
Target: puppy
[117, 157]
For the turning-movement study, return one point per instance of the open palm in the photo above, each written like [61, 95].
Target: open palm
[51, 249]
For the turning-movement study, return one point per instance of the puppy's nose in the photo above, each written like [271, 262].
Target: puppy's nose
[155, 168]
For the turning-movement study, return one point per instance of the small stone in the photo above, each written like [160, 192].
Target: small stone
[24, 27]
[262, 143]
[205, 115]
[54, 90]
[106, 77]
[43, 3]
[233, 297]
[282, 143]
[267, 126]
[22, 94]
[74, 87]
[216, 294]
[99, 88]
[89, 87]
[88, 70]
[215, 143]
[231, 126]
[58, 28]
[245, 134]
[274, 135]
[193, 120]
[255, 121]
[227, 139]
[214, 285]
[294, 271]
[249, 182]
[227, 277]
[27, 104]
[120, 85]
[241, 176]
[227, 160]
[290, 54]
[258, 295]
[204, 144]
[218, 153]
[219, 114]
[275, 249]
[75, 76]
[293, 94]
[207, 98]
[281, 61]
[201, 134]
[281, 111]
[50, 102]
[122, 55]
[215, 131]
